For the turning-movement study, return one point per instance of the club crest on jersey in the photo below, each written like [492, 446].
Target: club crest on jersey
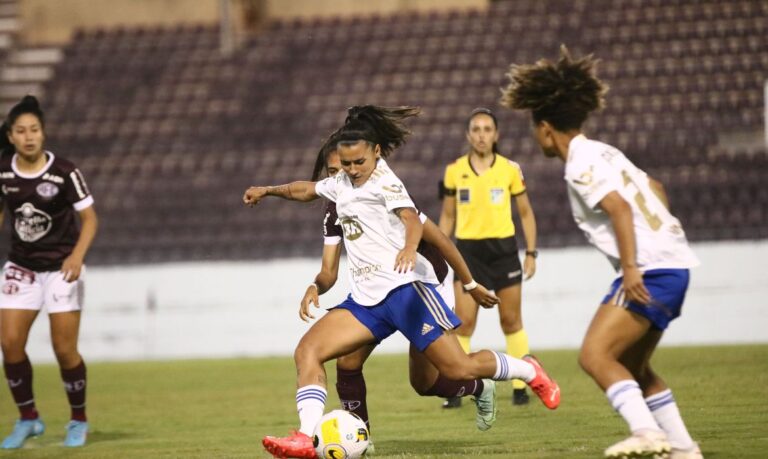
[352, 228]
[31, 223]
[47, 189]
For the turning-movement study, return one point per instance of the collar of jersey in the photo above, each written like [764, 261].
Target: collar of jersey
[574, 143]
[36, 174]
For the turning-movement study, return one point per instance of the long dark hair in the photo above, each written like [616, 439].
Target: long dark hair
[28, 104]
[485, 111]
[329, 146]
[382, 126]
[562, 93]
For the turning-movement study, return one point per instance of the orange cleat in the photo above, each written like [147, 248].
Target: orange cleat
[544, 386]
[296, 445]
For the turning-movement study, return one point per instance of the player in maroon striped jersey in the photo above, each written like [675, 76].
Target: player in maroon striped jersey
[43, 195]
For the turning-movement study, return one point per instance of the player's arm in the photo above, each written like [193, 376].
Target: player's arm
[528, 220]
[406, 258]
[620, 213]
[448, 215]
[659, 191]
[294, 191]
[434, 235]
[73, 264]
[325, 279]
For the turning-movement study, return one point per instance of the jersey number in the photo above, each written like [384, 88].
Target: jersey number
[653, 220]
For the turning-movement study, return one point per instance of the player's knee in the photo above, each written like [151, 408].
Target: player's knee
[419, 387]
[349, 362]
[467, 327]
[12, 344]
[511, 324]
[303, 354]
[588, 361]
[66, 352]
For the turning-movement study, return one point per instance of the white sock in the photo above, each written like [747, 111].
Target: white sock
[627, 399]
[310, 403]
[667, 415]
[508, 367]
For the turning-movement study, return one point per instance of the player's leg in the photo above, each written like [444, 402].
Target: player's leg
[613, 331]
[466, 309]
[20, 302]
[350, 382]
[423, 318]
[337, 333]
[510, 316]
[427, 381]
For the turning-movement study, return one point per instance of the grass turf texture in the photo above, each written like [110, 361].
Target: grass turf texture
[222, 408]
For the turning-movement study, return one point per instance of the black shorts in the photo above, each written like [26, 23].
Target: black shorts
[494, 263]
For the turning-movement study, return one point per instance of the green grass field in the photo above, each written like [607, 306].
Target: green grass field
[222, 408]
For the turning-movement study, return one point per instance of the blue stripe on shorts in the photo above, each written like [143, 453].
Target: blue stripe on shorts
[667, 288]
[416, 310]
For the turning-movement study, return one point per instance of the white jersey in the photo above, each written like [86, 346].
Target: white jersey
[373, 234]
[593, 170]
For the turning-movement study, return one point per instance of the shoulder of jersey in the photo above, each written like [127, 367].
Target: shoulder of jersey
[63, 165]
[5, 163]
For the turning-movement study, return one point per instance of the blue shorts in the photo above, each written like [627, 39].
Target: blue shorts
[667, 288]
[414, 309]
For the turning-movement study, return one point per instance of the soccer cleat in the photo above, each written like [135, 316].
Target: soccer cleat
[486, 405]
[542, 385]
[693, 453]
[296, 445]
[77, 431]
[24, 428]
[520, 397]
[650, 443]
[452, 402]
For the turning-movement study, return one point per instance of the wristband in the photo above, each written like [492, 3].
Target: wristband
[532, 253]
[470, 286]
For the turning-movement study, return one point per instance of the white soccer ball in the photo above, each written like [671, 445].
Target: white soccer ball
[340, 435]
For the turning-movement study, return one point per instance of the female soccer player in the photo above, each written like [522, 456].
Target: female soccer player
[477, 202]
[424, 378]
[623, 212]
[392, 286]
[43, 195]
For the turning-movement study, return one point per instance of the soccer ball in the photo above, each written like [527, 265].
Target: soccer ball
[340, 435]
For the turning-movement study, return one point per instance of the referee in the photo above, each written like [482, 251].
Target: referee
[477, 193]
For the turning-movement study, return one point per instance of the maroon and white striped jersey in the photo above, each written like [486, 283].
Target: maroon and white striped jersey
[42, 208]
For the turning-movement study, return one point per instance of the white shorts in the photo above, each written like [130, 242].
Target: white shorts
[445, 289]
[25, 289]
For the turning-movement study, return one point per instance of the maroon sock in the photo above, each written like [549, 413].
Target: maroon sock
[19, 376]
[74, 383]
[350, 385]
[447, 388]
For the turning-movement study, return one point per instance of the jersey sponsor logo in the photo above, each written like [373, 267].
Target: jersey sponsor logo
[79, 182]
[585, 178]
[325, 223]
[47, 189]
[351, 227]
[426, 328]
[10, 288]
[31, 223]
[497, 195]
[464, 196]
[7, 175]
[393, 188]
[16, 273]
[53, 178]
[10, 189]
[364, 273]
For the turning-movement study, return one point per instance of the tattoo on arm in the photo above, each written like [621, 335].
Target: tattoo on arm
[283, 191]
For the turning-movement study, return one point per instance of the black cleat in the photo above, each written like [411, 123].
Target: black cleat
[520, 397]
[452, 402]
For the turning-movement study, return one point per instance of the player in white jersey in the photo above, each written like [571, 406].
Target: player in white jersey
[392, 285]
[624, 213]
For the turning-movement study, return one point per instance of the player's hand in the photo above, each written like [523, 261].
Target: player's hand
[634, 287]
[71, 268]
[310, 297]
[253, 195]
[484, 297]
[406, 260]
[529, 267]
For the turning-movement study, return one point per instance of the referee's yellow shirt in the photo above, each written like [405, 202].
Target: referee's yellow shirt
[483, 202]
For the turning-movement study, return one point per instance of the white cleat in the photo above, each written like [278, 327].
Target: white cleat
[648, 444]
[693, 453]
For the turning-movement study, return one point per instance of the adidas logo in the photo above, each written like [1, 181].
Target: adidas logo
[426, 328]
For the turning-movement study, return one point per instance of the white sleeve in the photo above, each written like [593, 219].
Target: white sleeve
[394, 194]
[592, 179]
[327, 188]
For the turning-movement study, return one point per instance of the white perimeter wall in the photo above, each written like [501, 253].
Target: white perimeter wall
[250, 309]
